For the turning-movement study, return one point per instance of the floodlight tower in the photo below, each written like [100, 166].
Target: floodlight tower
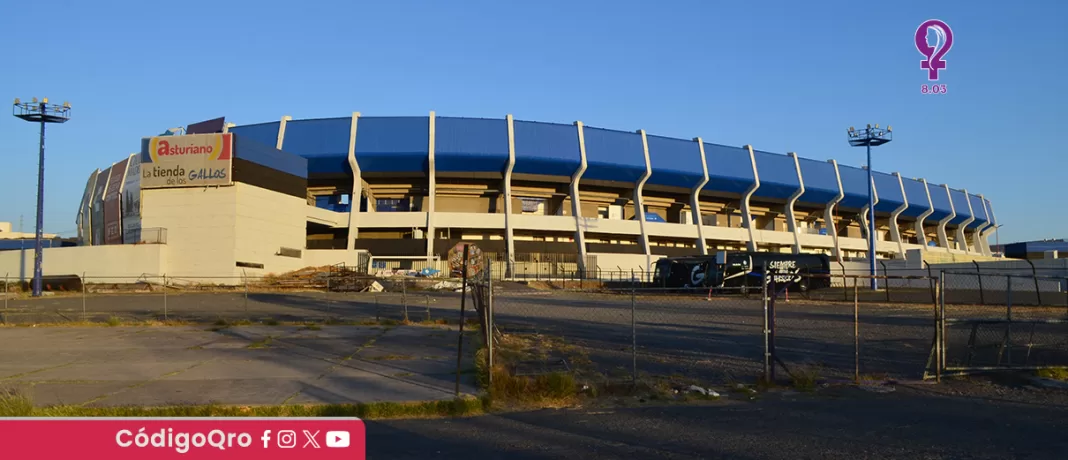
[870, 137]
[40, 112]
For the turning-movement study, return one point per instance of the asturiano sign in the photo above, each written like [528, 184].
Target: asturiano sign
[194, 160]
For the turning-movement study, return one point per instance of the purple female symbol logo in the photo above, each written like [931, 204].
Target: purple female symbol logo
[934, 54]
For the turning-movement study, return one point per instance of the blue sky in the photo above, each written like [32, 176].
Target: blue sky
[782, 76]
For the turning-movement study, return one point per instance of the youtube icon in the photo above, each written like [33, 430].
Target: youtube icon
[337, 439]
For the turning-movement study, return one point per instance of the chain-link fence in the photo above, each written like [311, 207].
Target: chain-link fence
[631, 333]
[978, 288]
[716, 336]
[1011, 322]
[818, 336]
[208, 300]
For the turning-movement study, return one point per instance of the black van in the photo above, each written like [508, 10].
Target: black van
[744, 270]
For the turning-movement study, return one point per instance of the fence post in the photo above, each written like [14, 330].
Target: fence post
[165, 297]
[428, 307]
[942, 327]
[773, 291]
[83, 295]
[5, 289]
[979, 274]
[938, 338]
[1008, 316]
[886, 278]
[767, 351]
[633, 336]
[244, 277]
[1034, 275]
[489, 327]
[856, 336]
[931, 282]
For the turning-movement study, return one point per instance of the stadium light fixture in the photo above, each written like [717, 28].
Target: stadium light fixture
[43, 113]
[868, 138]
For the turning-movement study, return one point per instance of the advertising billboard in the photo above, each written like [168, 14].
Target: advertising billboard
[84, 219]
[194, 160]
[112, 203]
[131, 202]
[97, 211]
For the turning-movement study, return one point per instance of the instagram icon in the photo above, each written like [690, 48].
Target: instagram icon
[287, 439]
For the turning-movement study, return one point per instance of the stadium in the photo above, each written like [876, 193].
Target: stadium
[547, 198]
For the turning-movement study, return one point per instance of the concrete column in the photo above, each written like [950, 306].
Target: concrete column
[747, 217]
[791, 219]
[943, 238]
[828, 213]
[962, 239]
[695, 200]
[980, 234]
[639, 203]
[508, 234]
[895, 231]
[977, 235]
[921, 235]
[282, 132]
[864, 216]
[993, 225]
[357, 186]
[432, 187]
[576, 205]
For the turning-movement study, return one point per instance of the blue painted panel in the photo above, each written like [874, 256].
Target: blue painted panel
[676, 163]
[977, 209]
[855, 187]
[546, 148]
[960, 205]
[729, 169]
[470, 144]
[916, 195]
[990, 209]
[264, 133]
[778, 176]
[393, 144]
[326, 137]
[266, 155]
[613, 155]
[940, 202]
[889, 189]
[821, 184]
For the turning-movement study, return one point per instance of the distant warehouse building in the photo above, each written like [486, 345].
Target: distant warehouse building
[1045, 249]
[293, 193]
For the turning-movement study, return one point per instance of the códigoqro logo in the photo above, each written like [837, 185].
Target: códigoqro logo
[933, 53]
[198, 438]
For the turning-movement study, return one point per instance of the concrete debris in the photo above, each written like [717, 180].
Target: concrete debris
[374, 287]
[447, 285]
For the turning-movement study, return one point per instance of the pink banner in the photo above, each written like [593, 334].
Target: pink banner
[189, 438]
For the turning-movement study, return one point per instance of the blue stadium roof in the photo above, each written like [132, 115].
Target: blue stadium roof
[391, 145]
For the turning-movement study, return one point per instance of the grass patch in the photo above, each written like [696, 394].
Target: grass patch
[270, 322]
[557, 389]
[804, 378]
[1054, 373]
[263, 343]
[16, 404]
[114, 321]
[312, 327]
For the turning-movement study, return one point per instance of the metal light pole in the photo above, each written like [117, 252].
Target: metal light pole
[40, 112]
[870, 137]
